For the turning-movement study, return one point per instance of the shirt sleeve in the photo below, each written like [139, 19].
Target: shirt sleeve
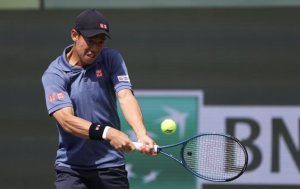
[56, 94]
[120, 75]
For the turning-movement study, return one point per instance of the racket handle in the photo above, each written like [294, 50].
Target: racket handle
[138, 146]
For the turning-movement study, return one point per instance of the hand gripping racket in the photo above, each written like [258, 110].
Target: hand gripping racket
[213, 157]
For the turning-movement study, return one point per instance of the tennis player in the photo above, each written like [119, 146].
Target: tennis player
[82, 87]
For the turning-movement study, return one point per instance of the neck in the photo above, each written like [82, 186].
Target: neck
[73, 58]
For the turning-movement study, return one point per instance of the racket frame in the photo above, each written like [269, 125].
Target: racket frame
[183, 163]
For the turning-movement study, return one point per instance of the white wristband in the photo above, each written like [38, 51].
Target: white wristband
[105, 132]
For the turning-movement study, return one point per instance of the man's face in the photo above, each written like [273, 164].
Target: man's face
[88, 49]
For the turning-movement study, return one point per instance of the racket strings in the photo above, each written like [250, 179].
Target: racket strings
[214, 157]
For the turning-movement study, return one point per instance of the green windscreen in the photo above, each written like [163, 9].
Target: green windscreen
[161, 172]
[19, 4]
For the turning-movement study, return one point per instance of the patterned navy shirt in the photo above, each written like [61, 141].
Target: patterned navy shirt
[91, 91]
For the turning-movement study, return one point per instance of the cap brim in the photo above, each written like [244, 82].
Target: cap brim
[92, 33]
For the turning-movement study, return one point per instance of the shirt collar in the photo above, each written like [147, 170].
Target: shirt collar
[66, 66]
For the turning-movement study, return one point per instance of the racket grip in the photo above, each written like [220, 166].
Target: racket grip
[138, 146]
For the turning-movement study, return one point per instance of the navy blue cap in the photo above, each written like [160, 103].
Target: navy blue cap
[91, 23]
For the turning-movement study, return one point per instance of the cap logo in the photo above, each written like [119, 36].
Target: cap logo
[103, 26]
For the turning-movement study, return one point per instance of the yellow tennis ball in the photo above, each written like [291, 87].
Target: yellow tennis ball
[168, 126]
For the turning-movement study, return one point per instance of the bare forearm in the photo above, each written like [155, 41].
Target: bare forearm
[81, 128]
[78, 127]
[134, 117]
[132, 113]
[72, 124]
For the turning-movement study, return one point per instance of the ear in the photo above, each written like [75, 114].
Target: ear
[74, 35]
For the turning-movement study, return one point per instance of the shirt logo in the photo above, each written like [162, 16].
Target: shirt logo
[60, 96]
[99, 73]
[56, 96]
[97, 127]
[51, 98]
[123, 78]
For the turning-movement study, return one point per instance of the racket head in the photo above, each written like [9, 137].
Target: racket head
[214, 157]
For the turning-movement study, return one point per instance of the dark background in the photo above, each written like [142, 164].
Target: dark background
[244, 56]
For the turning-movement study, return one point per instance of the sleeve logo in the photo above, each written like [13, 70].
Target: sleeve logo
[123, 78]
[56, 96]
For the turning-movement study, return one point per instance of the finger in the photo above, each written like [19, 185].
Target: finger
[128, 147]
[148, 151]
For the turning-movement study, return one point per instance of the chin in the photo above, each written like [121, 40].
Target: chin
[89, 61]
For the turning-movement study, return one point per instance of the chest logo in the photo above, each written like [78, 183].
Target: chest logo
[99, 73]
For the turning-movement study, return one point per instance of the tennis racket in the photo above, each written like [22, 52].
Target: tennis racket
[210, 156]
